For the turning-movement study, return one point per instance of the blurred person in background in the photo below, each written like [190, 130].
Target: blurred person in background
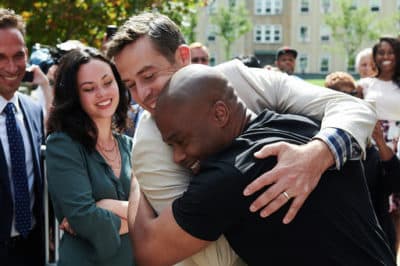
[199, 53]
[365, 65]
[381, 166]
[22, 134]
[383, 91]
[286, 59]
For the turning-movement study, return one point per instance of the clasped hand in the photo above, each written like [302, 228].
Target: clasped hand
[296, 174]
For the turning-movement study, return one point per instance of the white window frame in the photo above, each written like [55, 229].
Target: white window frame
[325, 31]
[267, 33]
[232, 3]
[326, 8]
[321, 61]
[303, 57]
[258, 7]
[212, 7]
[210, 33]
[258, 34]
[354, 4]
[375, 5]
[304, 4]
[305, 38]
[274, 7]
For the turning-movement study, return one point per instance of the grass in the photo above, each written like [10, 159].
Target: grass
[319, 82]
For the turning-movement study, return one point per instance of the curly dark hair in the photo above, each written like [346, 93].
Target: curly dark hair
[67, 114]
[395, 44]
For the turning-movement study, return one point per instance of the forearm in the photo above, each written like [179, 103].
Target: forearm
[118, 207]
[385, 152]
[332, 108]
[134, 200]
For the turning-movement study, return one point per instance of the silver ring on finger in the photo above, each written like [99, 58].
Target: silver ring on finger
[286, 195]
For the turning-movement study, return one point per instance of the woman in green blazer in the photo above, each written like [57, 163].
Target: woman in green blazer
[88, 161]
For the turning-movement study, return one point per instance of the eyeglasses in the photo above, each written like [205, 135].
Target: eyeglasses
[200, 59]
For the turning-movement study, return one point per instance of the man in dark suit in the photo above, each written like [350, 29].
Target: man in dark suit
[21, 135]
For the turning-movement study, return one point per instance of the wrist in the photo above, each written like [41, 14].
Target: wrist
[322, 153]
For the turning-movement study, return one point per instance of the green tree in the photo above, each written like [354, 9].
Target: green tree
[352, 27]
[52, 22]
[230, 23]
[183, 13]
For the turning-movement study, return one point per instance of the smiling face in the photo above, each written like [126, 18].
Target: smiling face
[13, 59]
[191, 139]
[98, 90]
[145, 71]
[385, 58]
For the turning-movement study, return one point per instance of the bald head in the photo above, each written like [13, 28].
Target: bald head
[196, 83]
[198, 113]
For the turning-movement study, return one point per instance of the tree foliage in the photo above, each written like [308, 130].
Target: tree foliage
[352, 27]
[52, 22]
[230, 23]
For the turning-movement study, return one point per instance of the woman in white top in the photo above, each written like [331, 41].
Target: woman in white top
[383, 90]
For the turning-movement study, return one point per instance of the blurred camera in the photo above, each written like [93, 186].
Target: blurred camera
[28, 77]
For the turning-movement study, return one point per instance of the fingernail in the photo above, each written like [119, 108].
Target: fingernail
[246, 192]
[285, 221]
[263, 214]
[252, 208]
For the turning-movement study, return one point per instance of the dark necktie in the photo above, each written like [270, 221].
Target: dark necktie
[18, 172]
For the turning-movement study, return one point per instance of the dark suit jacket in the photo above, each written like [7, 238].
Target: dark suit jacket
[33, 118]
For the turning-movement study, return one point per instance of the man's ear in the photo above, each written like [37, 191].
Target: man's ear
[221, 113]
[182, 55]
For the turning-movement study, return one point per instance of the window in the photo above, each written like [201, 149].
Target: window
[267, 7]
[375, 5]
[258, 4]
[304, 6]
[268, 34]
[232, 3]
[304, 34]
[325, 33]
[211, 7]
[213, 59]
[354, 4]
[324, 64]
[326, 6]
[211, 33]
[398, 4]
[303, 63]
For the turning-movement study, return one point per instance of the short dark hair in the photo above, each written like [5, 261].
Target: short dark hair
[67, 114]
[9, 19]
[249, 60]
[395, 44]
[286, 50]
[162, 31]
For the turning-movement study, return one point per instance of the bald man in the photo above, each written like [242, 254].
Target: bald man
[336, 226]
